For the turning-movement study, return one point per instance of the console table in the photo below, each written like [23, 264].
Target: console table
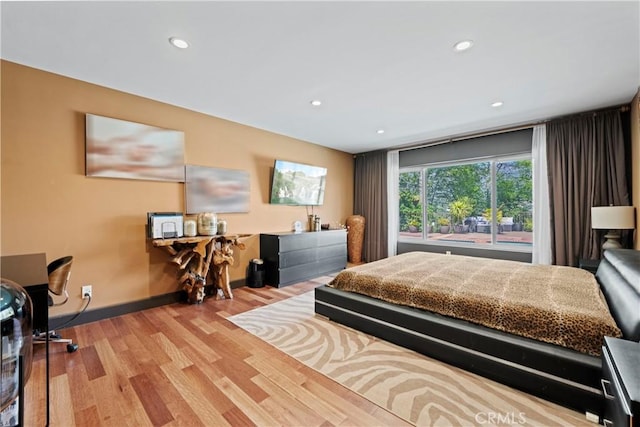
[291, 257]
[195, 256]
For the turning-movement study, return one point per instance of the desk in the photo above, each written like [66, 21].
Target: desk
[30, 272]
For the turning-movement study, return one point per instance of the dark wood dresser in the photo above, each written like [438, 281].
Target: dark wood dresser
[293, 257]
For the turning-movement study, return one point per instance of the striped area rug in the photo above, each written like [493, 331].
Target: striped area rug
[421, 390]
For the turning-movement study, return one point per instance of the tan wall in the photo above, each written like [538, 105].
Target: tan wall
[635, 163]
[49, 205]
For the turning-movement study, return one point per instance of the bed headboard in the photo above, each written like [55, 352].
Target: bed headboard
[619, 278]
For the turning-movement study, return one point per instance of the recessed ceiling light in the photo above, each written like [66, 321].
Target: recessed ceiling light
[316, 102]
[179, 43]
[463, 45]
[380, 131]
[497, 104]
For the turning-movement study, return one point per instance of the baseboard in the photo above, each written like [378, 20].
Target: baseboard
[67, 320]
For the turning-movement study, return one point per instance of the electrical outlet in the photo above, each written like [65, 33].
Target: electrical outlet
[86, 290]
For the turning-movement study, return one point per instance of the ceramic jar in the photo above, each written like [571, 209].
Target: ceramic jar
[222, 227]
[207, 224]
[190, 228]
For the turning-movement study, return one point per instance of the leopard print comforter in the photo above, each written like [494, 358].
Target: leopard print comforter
[554, 304]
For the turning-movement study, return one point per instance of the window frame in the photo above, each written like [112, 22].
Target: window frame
[494, 245]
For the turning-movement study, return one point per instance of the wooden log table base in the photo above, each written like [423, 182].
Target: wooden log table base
[194, 257]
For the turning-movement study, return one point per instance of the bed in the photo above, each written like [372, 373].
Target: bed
[426, 302]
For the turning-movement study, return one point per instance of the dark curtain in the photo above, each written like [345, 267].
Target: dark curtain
[370, 201]
[586, 160]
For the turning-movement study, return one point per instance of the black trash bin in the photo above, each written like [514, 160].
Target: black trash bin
[255, 279]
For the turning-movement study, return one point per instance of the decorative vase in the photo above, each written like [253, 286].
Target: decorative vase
[190, 228]
[207, 224]
[222, 227]
[355, 237]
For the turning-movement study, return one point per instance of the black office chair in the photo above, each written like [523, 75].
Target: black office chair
[59, 273]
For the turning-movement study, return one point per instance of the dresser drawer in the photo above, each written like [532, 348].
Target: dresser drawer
[298, 242]
[294, 258]
[330, 238]
[332, 251]
[297, 274]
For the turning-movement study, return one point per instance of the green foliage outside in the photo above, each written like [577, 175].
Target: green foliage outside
[454, 193]
[528, 224]
[451, 183]
[514, 186]
[410, 201]
[460, 209]
[443, 222]
[488, 214]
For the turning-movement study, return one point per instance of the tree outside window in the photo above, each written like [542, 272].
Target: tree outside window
[411, 203]
[514, 189]
[454, 203]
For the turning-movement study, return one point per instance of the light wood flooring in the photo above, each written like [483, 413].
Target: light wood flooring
[187, 365]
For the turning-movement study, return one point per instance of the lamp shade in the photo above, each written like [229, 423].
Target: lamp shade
[613, 217]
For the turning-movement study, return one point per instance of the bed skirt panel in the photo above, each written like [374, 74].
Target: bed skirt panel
[554, 373]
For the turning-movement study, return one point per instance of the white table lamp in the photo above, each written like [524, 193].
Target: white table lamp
[613, 218]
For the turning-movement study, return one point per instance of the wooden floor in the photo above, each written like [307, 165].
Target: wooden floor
[187, 365]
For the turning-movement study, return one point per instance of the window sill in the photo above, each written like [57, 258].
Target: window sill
[503, 247]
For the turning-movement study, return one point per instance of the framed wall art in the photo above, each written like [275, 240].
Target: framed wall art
[121, 149]
[216, 190]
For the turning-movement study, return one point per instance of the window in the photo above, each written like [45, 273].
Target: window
[411, 216]
[514, 196]
[480, 203]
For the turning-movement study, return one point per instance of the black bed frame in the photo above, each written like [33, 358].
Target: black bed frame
[554, 373]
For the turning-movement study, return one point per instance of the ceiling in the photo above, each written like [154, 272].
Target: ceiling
[374, 65]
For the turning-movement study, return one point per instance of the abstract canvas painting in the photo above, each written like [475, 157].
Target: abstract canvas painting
[216, 190]
[122, 149]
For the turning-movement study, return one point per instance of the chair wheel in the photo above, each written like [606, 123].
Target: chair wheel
[71, 348]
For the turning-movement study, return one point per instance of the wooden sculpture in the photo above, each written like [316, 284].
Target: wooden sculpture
[222, 259]
[194, 286]
[193, 257]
